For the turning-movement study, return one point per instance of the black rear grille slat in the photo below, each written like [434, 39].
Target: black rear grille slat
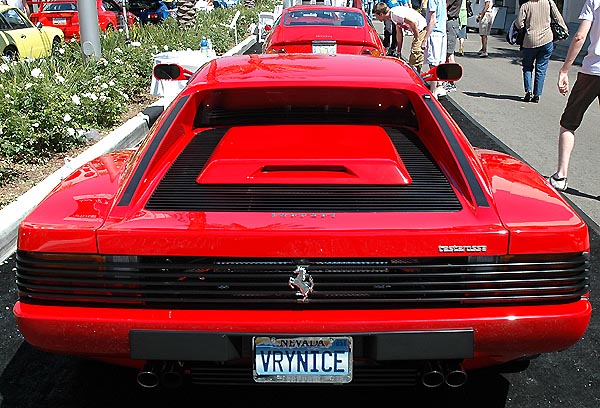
[190, 282]
[430, 191]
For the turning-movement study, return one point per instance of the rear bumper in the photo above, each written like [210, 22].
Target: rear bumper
[499, 334]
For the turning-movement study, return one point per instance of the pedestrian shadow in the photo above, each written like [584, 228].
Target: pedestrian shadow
[494, 96]
[582, 194]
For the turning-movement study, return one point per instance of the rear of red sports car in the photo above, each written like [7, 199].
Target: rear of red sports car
[324, 30]
[289, 219]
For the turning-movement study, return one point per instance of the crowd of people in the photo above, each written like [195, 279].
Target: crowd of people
[438, 26]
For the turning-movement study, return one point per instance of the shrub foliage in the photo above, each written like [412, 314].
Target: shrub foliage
[48, 105]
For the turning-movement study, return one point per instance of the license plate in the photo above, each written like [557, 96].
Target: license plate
[324, 48]
[303, 359]
[59, 21]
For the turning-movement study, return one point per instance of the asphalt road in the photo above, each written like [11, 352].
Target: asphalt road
[33, 378]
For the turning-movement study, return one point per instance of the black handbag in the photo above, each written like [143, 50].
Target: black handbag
[559, 32]
[469, 9]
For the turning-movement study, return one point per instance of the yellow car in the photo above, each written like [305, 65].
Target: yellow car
[20, 38]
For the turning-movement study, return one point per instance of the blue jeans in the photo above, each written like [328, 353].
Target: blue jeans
[540, 56]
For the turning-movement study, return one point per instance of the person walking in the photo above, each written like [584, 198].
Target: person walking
[485, 20]
[534, 17]
[434, 42]
[585, 90]
[405, 18]
[462, 30]
[452, 27]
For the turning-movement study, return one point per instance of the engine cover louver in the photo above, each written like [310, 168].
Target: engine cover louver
[430, 190]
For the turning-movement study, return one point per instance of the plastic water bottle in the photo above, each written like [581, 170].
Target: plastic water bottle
[204, 46]
[209, 44]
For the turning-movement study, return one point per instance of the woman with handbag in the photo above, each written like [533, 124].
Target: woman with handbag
[535, 16]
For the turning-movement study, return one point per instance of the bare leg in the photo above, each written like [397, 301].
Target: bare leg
[484, 43]
[566, 141]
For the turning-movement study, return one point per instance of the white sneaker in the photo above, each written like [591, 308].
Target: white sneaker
[483, 55]
[559, 183]
[440, 91]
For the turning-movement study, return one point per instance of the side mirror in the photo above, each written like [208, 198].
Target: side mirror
[172, 72]
[449, 71]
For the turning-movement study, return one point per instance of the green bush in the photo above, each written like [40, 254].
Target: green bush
[47, 105]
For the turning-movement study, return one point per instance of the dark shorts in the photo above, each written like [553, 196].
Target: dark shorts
[585, 90]
[452, 29]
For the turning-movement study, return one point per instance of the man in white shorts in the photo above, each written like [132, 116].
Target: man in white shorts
[434, 42]
[485, 20]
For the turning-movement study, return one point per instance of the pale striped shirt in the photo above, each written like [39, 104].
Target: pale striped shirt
[534, 15]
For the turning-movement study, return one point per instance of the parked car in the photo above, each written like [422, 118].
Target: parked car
[289, 218]
[20, 38]
[323, 30]
[64, 15]
[149, 11]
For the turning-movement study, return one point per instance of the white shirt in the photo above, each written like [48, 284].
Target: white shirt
[397, 15]
[591, 62]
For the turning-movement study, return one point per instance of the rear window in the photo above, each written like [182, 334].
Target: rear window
[324, 18]
[299, 105]
[60, 7]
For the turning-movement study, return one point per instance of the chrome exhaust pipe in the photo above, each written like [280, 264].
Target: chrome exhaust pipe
[456, 376]
[433, 375]
[172, 376]
[148, 377]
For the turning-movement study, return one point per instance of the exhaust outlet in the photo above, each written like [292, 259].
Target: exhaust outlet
[433, 375]
[172, 376]
[148, 377]
[456, 376]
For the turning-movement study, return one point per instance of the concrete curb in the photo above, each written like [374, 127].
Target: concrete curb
[127, 135]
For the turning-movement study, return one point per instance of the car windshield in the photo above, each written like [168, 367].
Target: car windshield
[324, 17]
[60, 7]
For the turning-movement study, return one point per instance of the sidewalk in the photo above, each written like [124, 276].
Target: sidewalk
[491, 92]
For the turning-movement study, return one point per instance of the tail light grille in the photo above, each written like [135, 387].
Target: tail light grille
[235, 283]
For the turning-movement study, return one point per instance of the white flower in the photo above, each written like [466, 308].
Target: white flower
[59, 78]
[118, 50]
[118, 60]
[105, 85]
[71, 131]
[93, 97]
[37, 73]
[35, 124]
[136, 44]
[166, 48]
[28, 85]
[7, 96]
[111, 82]
[67, 118]
[76, 100]
[62, 50]
[4, 68]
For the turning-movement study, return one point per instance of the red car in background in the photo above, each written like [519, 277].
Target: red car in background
[64, 15]
[323, 30]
